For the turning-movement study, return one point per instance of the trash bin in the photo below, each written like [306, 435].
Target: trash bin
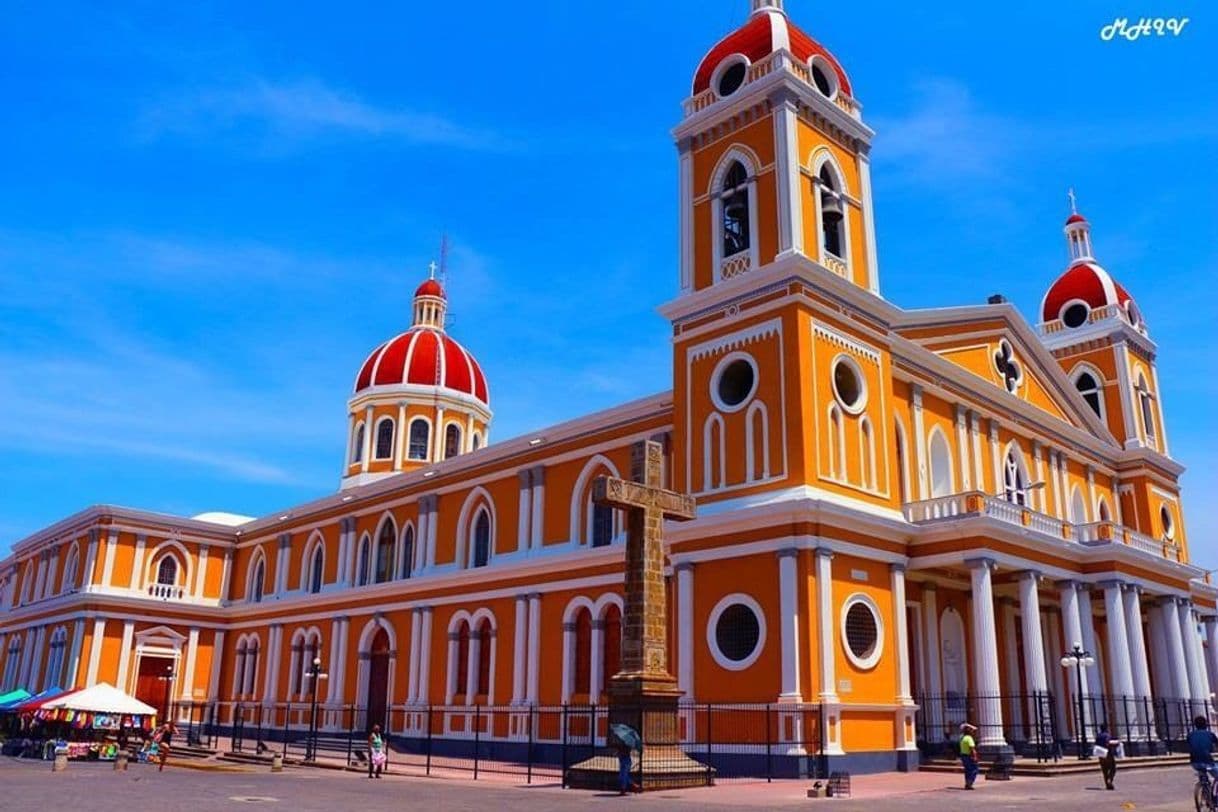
[61, 759]
[120, 762]
[277, 763]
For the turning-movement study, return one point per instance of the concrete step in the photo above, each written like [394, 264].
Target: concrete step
[1067, 766]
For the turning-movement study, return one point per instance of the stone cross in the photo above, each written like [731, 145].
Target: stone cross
[647, 505]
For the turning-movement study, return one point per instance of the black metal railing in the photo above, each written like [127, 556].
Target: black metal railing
[532, 743]
[1027, 722]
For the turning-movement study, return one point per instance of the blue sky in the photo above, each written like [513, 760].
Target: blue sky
[209, 214]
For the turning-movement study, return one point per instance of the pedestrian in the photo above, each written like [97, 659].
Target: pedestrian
[1106, 752]
[624, 784]
[968, 754]
[376, 752]
[1201, 745]
[164, 743]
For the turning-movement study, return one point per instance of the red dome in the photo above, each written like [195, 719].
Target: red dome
[1075, 218]
[766, 31]
[411, 358]
[1084, 281]
[430, 287]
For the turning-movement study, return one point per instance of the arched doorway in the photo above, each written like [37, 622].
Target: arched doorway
[378, 680]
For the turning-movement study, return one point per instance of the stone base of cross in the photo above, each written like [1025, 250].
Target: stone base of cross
[644, 695]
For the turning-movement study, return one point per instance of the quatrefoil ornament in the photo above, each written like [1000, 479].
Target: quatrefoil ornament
[1007, 367]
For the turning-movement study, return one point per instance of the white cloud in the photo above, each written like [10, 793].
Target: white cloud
[307, 109]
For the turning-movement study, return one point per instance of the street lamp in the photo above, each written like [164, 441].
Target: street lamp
[1080, 659]
[167, 678]
[314, 673]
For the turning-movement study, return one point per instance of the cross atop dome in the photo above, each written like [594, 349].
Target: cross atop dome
[1078, 232]
[430, 302]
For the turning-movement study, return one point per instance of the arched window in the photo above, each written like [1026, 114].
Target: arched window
[420, 436]
[734, 203]
[482, 540]
[68, 582]
[452, 440]
[384, 439]
[602, 525]
[1078, 507]
[357, 445]
[484, 657]
[257, 580]
[902, 463]
[167, 571]
[1105, 515]
[386, 553]
[1146, 409]
[251, 666]
[583, 652]
[1014, 482]
[408, 552]
[1089, 388]
[832, 213]
[611, 655]
[867, 453]
[317, 568]
[836, 444]
[942, 478]
[713, 464]
[475, 442]
[462, 658]
[11, 664]
[363, 563]
[757, 442]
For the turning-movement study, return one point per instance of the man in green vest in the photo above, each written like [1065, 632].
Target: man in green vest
[968, 754]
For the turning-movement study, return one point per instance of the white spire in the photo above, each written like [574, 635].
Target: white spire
[1078, 233]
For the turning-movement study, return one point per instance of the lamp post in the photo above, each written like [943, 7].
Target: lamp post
[314, 673]
[166, 678]
[1080, 659]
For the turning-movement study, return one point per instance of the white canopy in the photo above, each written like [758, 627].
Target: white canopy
[103, 698]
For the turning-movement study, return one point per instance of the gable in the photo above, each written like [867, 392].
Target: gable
[984, 342]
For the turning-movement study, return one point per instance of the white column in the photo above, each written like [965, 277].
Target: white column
[1011, 662]
[1072, 627]
[995, 458]
[788, 611]
[523, 524]
[52, 569]
[685, 213]
[568, 662]
[473, 666]
[825, 617]
[86, 576]
[1095, 674]
[200, 587]
[1139, 668]
[537, 522]
[534, 680]
[985, 650]
[399, 437]
[1119, 651]
[1211, 650]
[1054, 671]
[192, 653]
[27, 654]
[685, 629]
[274, 650]
[1035, 682]
[281, 563]
[786, 168]
[966, 479]
[78, 636]
[412, 685]
[873, 258]
[366, 454]
[124, 656]
[352, 553]
[919, 443]
[596, 679]
[1198, 691]
[95, 647]
[450, 682]
[425, 663]
[432, 504]
[901, 631]
[108, 565]
[974, 430]
[36, 658]
[437, 441]
[217, 662]
[933, 716]
[1055, 482]
[40, 577]
[519, 630]
[137, 565]
[226, 576]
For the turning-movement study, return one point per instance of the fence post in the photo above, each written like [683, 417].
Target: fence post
[350, 732]
[429, 715]
[529, 724]
[563, 781]
[477, 736]
[769, 766]
[709, 746]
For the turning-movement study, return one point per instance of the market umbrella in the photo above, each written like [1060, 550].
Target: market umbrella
[13, 697]
[101, 698]
[37, 700]
[628, 736]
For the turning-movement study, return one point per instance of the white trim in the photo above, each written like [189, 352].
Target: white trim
[376, 437]
[581, 516]
[830, 73]
[725, 63]
[712, 642]
[861, 402]
[717, 374]
[478, 498]
[870, 661]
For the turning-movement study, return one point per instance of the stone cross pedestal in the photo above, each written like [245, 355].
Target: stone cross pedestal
[644, 694]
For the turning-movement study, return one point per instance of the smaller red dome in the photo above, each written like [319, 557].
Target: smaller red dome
[430, 287]
[1075, 218]
[1086, 282]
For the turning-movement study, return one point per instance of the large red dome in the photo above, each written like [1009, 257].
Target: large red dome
[766, 31]
[1086, 282]
[425, 357]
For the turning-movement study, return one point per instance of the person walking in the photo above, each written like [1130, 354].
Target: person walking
[164, 742]
[968, 754]
[376, 752]
[1106, 752]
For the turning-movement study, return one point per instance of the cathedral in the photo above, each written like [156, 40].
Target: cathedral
[905, 518]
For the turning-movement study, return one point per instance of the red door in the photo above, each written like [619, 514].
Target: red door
[378, 680]
[151, 686]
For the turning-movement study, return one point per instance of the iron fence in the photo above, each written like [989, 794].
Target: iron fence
[531, 743]
[1027, 722]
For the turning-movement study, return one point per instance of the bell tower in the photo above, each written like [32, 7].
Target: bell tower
[773, 159]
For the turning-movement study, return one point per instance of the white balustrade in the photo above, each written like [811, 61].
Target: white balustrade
[165, 591]
[735, 265]
[779, 61]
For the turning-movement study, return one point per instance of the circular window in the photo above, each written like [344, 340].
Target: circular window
[735, 633]
[848, 384]
[1075, 315]
[734, 382]
[730, 75]
[862, 631]
[823, 76]
[1169, 526]
[1135, 315]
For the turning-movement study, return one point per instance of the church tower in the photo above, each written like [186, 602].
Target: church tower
[779, 361]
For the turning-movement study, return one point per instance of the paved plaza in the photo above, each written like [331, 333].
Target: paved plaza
[30, 785]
